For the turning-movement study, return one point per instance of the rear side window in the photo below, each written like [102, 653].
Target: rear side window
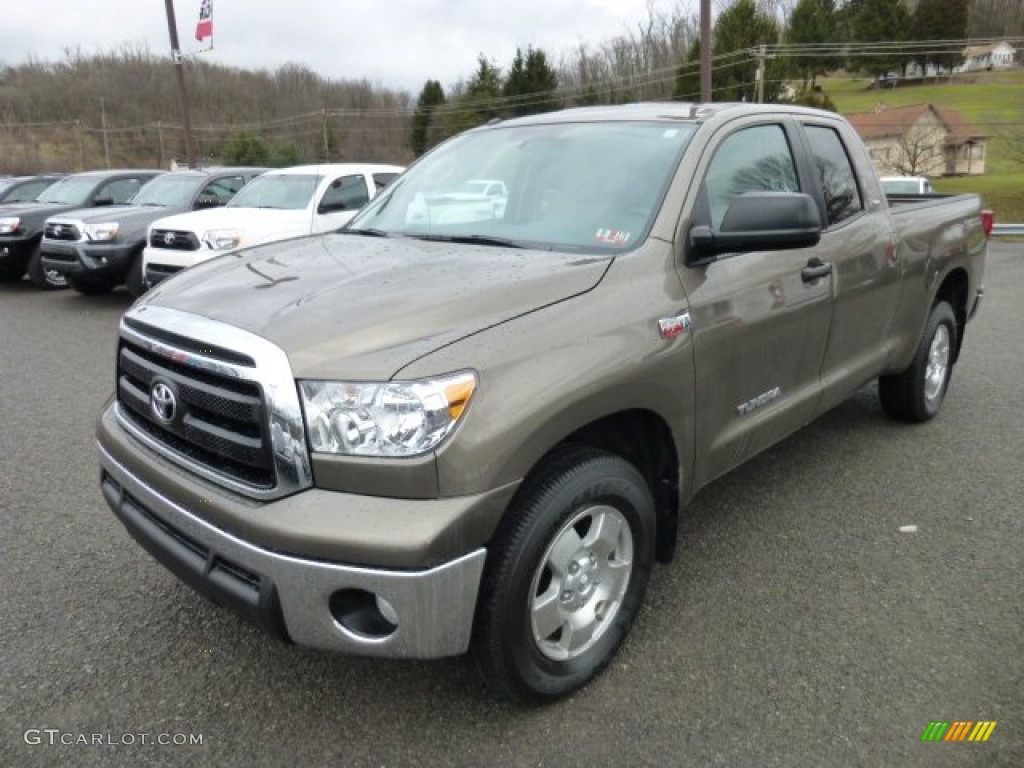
[754, 159]
[838, 181]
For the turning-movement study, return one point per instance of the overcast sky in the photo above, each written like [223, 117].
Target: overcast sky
[395, 43]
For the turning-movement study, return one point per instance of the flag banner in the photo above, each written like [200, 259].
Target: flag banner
[204, 28]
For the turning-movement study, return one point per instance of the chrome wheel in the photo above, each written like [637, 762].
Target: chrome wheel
[580, 583]
[937, 366]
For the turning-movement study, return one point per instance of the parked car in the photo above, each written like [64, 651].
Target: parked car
[411, 439]
[906, 185]
[22, 189]
[97, 249]
[279, 204]
[21, 224]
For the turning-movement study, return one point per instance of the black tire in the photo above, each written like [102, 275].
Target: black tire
[89, 287]
[11, 273]
[598, 584]
[48, 279]
[916, 394]
[135, 281]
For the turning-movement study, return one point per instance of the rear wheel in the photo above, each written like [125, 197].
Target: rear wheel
[565, 576]
[916, 394]
[44, 278]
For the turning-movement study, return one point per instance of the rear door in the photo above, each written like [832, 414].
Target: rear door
[860, 244]
[759, 325]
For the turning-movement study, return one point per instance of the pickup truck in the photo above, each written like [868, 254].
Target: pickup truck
[280, 204]
[413, 440]
[23, 189]
[98, 249]
[21, 224]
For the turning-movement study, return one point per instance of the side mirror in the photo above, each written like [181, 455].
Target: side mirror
[103, 201]
[207, 202]
[758, 221]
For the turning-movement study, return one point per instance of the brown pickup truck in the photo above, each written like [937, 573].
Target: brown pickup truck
[467, 424]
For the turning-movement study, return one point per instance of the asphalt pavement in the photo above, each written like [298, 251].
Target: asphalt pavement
[801, 624]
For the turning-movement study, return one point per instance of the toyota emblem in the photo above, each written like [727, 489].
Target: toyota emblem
[162, 402]
[169, 238]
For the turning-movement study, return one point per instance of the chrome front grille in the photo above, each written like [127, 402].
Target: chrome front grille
[215, 399]
[57, 230]
[173, 239]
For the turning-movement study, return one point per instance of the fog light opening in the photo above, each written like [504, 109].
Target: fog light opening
[363, 613]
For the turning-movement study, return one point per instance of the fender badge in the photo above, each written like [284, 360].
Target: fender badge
[670, 327]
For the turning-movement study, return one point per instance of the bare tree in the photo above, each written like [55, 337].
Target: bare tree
[920, 152]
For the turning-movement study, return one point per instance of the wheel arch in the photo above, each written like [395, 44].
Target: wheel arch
[954, 290]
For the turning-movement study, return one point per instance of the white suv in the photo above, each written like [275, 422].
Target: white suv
[283, 203]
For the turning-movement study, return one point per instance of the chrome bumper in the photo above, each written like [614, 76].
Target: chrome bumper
[432, 610]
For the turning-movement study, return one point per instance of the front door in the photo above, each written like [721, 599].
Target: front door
[759, 325]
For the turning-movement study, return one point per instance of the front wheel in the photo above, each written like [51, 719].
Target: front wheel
[44, 278]
[916, 394]
[565, 576]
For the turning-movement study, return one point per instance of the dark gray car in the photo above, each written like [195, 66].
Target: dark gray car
[98, 249]
[23, 189]
[21, 224]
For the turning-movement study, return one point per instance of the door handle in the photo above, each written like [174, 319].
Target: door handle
[815, 269]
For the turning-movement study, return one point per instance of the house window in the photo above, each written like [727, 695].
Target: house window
[977, 151]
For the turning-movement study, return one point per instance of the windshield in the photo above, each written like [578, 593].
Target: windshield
[565, 186]
[169, 191]
[291, 191]
[69, 191]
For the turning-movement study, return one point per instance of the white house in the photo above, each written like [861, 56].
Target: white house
[994, 56]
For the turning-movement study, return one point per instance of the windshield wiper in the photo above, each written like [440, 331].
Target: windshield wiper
[368, 232]
[471, 240]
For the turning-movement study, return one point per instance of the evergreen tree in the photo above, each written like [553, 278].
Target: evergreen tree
[813, 21]
[688, 76]
[940, 20]
[879, 21]
[531, 84]
[743, 27]
[430, 98]
[479, 101]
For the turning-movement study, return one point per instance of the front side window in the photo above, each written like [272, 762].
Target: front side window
[223, 189]
[349, 193]
[756, 159]
[835, 172]
[120, 191]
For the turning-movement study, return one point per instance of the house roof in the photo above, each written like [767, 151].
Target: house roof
[975, 51]
[890, 122]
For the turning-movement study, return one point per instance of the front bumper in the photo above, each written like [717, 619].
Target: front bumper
[292, 597]
[281, 563]
[93, 259]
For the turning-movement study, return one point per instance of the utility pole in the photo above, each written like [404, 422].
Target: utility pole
[705, 51]
[761, 56]
[179, 72]
[103, 127]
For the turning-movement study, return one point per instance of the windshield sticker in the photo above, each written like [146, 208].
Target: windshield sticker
[612, 236]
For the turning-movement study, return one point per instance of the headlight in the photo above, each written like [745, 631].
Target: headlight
[105, 231]
[9, 226]
[223, 239]
[392, 418]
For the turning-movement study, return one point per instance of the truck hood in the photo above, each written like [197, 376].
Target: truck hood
[133, 215]
[258, 224]
[30, 208]
[352, 307]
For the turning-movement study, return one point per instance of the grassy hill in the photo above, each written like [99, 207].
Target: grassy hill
[993, 101]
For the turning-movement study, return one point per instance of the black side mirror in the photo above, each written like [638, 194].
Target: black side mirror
[207, 202]
[338, 205]
[758, 221]
[103, 201]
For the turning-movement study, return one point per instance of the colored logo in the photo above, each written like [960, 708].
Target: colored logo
[958, 730]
